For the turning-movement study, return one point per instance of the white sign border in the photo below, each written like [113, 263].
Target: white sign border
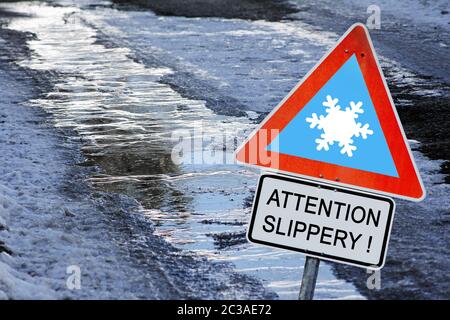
[322, 256]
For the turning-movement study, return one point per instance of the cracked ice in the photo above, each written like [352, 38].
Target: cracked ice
[339, 126]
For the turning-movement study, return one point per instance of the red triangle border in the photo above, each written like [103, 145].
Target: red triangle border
[356, 40]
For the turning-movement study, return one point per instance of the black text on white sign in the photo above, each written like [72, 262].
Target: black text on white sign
[319, 220]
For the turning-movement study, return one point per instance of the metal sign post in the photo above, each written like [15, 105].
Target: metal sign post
[309, 278]
[323, 221]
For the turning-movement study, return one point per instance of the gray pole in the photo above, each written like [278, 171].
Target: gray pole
[309, 278]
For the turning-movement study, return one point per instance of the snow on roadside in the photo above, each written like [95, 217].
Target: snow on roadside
[51, 219]
[419, 11]
[15, 284]
[39, 228]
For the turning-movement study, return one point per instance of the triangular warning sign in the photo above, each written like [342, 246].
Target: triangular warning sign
[339, 124]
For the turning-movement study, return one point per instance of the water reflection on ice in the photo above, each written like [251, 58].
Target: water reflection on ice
[112, 91]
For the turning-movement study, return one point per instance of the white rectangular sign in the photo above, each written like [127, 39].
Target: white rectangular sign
[321, 220]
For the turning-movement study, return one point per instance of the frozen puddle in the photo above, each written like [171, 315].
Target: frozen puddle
[116, 88]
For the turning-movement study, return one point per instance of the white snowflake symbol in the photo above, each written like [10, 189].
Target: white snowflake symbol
[339, 126]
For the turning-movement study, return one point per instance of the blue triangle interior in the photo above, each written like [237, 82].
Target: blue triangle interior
[298, 139]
